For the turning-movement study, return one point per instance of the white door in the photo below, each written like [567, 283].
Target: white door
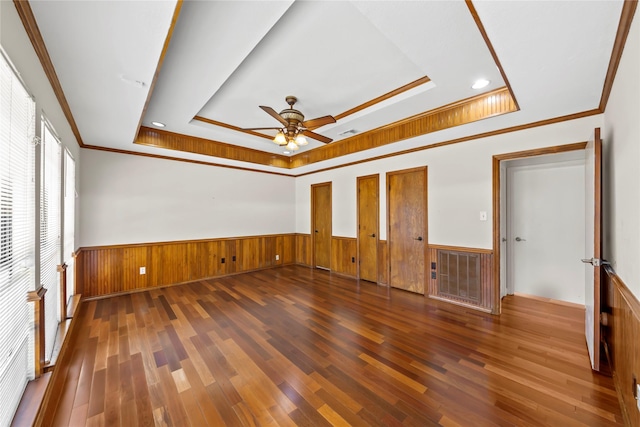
[593, 246]
[545, 221]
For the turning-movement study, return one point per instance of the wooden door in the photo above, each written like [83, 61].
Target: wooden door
[368, 214]
[593, 246]
[321, 224]
[407, 221]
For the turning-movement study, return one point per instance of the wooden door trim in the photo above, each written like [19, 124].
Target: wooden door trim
[358, 179]
[313, 221]
[497, 201]
[388, 175]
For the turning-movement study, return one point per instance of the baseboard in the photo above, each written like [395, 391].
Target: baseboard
[550, 300]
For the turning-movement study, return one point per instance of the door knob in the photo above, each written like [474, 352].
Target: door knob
[419, 238]
[372, 235]
[520, 239]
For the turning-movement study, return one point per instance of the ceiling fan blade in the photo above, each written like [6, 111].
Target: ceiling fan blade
[317, 136]
[273, 113]
[261, 128]
[319, 121]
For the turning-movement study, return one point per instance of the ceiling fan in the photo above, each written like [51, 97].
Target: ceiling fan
[294, 129]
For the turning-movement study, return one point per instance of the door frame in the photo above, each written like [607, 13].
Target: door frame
[358, 179]
[497, 184]
[313, 221]
[425, 169]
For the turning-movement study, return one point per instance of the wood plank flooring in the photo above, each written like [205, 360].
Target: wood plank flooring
[294, 346]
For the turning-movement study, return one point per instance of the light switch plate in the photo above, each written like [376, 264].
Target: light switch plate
[483, 215]
[277, 257]
[638, 396]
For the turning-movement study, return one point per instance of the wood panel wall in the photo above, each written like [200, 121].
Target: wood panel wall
[303, 249]
[116, 269]
[621, 337]
[486, 276]
[479, 107]
[383, 262]
[344, 255]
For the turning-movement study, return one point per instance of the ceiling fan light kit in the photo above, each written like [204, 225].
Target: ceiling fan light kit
[292, 134]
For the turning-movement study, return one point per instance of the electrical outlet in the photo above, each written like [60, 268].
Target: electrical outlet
[483, 215]
[221, 260]
[143, 270]
[277, 257]
[433, 265]
[233, 258]
[353, 259]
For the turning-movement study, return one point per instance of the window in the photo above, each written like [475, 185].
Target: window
[69, 219]
[50, 210]
[17, 270]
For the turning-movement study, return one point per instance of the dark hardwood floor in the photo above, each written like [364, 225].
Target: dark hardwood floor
[295, 346]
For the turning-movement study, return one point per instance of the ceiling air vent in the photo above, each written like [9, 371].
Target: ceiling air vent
[348, 132]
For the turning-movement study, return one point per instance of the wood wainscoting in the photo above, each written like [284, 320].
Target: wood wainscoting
[468, 279]
[109, 270]
[343, 255]
[303, 249]
[621, 336]
[383, 262]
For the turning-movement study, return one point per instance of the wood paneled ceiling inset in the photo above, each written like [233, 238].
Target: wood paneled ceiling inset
[175, 141]
[480, 107]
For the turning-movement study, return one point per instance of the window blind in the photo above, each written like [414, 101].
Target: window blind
[17, 246]
[50, 210]
[69, 219]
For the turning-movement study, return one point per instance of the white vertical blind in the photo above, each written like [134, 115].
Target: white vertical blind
[17, 244]
[69, 219]
[50, 201]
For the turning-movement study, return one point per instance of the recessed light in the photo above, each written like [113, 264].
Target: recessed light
[287, 152]
[480, 83]
[158, 124]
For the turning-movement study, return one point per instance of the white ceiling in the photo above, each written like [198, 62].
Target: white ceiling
[226, 58]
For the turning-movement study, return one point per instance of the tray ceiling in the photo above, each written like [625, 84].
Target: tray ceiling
[222, 59]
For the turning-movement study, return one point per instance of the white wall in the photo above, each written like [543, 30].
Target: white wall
[459, 183]
[134, 199]
[621, 146]
[16, 44]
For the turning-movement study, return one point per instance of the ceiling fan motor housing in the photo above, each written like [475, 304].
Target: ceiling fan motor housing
[293, 117]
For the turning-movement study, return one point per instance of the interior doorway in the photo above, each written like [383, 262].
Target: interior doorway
[368, 224]
[407, 222]
[321, 225]
[500, 236]
[545, 223]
